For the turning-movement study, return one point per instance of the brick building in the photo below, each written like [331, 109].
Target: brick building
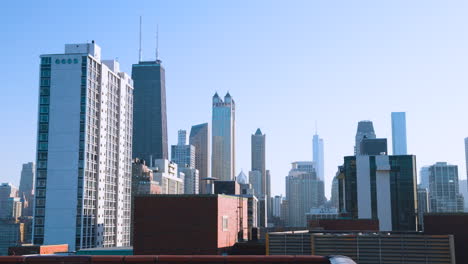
[188, 224]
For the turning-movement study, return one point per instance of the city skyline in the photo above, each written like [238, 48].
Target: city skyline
[187, 77]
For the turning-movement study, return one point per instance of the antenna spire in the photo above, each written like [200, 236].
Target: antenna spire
[315, 127]
[139, 51]
[157, 42]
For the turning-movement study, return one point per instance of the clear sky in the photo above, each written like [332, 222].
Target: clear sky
[286, 63]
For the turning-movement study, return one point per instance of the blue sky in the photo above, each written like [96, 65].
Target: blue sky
[286, 63]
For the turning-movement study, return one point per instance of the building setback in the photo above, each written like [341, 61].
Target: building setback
[380, 187]
[200, 139]
[223, 138]
[399, 133]
[84, 146]
[149, 111]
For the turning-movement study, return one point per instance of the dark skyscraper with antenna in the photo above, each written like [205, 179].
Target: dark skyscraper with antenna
[149, 110]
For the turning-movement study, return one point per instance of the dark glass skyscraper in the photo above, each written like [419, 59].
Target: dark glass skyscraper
[149, 111]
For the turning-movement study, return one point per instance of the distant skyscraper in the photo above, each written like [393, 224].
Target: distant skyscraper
[466, 156]
[200, 139]
[303, 192]
[224, 138]
[258, 160]
[399, 133]
[83, 168]
[7, 193]
[318, 156]
[423, 206]
[444, 194]
[365, 130]
[380, 187]
[149, 111]
[374, 146]
[424, 177]
[464, 191]
[182, 154]
[26, 188]
[276, 212]
[335, 195]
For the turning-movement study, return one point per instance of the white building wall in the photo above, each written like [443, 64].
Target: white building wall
[384, 202]
[363, 187]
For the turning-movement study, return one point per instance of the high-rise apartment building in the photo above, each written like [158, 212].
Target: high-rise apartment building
[365, 130]
[223, 138]
[303, 192]
[26, 188]
[84, 146]
[399, 133]
[380, 187]
[200, 139]
[149, 111]
[318, 157]
[444, 195]
[183, 154]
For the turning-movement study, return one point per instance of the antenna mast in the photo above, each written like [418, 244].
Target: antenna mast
[139, 55]
[157, 42]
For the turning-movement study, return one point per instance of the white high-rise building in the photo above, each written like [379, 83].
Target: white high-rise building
[84, 150]
[318, 156]
[399, 133]
[223, 138]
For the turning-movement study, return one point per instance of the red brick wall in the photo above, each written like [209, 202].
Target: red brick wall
[233, 208]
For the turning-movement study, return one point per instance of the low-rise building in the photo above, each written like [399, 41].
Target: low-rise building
[166, 173]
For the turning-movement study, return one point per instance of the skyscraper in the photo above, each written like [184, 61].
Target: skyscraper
[303, 192]
[83, 172]
[318, 156]
[466, 156]
[424, 177]
[149, 111]
[365, 130]
[200, 139]
[183, 154]
[7, 193]
[380, 187]
[223, 138]
[444, 192]
[26, 188]
[258, 160]
[399, 133]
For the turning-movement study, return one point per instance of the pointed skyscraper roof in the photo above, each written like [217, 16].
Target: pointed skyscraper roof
[242, 178]
[258, 132]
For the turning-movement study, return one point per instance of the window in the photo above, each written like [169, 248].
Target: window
[43, 118]
[43, 136]
[42, 155]
[40, 211]
[44, 100]
[39, 221]
[225, 223]
[39, 231]
[41, 193]
[43, 146]
[40, 202]
[45, 90]
[42, 165]
[43, 128]
[45, 81]
[44, 109]
[45, 73]
[46, 60]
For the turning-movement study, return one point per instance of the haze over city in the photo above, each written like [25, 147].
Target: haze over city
[288, 64]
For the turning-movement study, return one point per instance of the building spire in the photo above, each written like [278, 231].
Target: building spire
[315, 127]
[139, 51]
[157, 43]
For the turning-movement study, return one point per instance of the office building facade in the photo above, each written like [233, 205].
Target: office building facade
[399, 133]
[444, 194]
[149, 111]
[223, 138]
[318, 156]
[26, 188]
[381, 188]
[200, 139]
[365, 130]
[84, 139]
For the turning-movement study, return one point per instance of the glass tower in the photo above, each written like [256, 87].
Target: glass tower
[318, 157]
[200, 139]
[399, 133]
[149, 111]
[444, 194]
[365, 130]
[223, 138]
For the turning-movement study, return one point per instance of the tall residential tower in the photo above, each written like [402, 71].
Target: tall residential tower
[84, 146]
[223, 138]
